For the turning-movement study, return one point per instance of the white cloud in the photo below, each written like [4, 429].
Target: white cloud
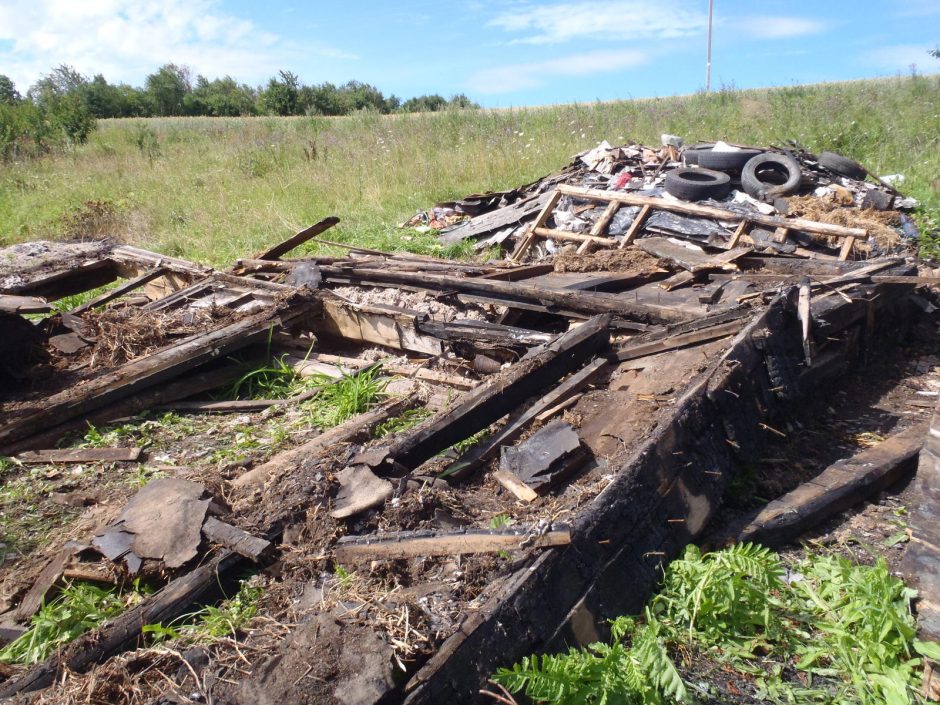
[900, 57]
[603, 20]
[778, 27]
[514, 77]
[127, 39]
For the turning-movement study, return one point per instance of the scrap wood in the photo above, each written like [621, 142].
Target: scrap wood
[48, 577]
[681, 340]
[490, 401]
[548, 456]
[514, 428]
[10, 303]
[517, 487]
[359, 489]
[154, 369]
[123, 632]
[340, 364]
[79, 455]
[408, 544]
[236, 539]
[119, 291]
[840, 486]
[591, 303]
[282, 248]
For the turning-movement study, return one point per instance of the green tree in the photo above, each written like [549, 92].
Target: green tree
[167, 89]
[8, 93]
[282, 96]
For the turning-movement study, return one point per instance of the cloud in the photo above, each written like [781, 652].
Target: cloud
[900, 57]
[127, 39]
[603, 20]
[515, 77]
[777, 27]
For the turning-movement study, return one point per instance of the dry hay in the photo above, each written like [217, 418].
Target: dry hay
[630, 260]
[122, 334]
[831, 209]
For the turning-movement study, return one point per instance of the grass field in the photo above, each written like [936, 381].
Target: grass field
[213, 189]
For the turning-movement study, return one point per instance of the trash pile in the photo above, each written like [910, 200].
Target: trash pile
[542, 435]
[656, 193]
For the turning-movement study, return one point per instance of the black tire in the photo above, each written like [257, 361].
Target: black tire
[843, 166]
[690, 156]
[692, 184]
[726, 161]
[769, 176]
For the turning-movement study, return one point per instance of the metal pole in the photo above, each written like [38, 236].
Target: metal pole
[708, 58]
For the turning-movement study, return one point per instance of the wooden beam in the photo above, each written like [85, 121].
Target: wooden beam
[119, 291]
[695, 209]
[632, 352]
[635, 226]
[502, 393]
[235, 539]
[526, 242]
[282, 248]
[590, 303]
[408, 544]
[10, 303]
[515, 486]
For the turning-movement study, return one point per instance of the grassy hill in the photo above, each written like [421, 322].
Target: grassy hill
[213, 189]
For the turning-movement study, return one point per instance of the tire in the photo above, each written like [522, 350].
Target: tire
[843, 166]
[769, 176]
[690, 156]
[692, 184]
[726, 161]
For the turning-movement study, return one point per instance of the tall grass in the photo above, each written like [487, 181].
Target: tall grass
[213, 189]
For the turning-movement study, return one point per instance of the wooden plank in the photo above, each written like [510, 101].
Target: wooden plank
[501, 394]
[515, 427]
[840, 486]
[119, 291]
[79, 455]
[76, 280]
[143, 260]
[600, 227]
[10, 303]
[846, 249]
[635, 226]
[155, 368]
[574, 237]
[438, 543]
[515, 274]
[590, 303]
[526, 242]
[514, 485]
[739, 232]
[781, 234]
[282, 248]
[48, 577]
[387, 326]
[632, 352]
[235, 539]
[801, 224]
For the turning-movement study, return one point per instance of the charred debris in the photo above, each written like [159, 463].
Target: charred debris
[595, 391]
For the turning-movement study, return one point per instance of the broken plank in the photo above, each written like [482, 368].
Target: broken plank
[282, 248]
[515, 427]
[489, 402]
[235, 539]
[515, 486]
[591, 303]
[154, 368]
[438, 543]
[10, 303]
[838, 487]
[635, 226]
[632, 352]
[387, 326]
[518, 273]
[79, 455]
[119, 291]
[696, 209]
[48, 577]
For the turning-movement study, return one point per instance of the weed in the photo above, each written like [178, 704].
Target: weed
[211, 622]
[344, 398]
[404, 421]
[77, 609]
[846, 629]
[501, 521]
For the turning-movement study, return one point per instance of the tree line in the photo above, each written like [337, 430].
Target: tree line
[62, 106]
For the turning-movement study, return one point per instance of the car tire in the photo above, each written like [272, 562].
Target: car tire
[726, 161]
[770, 175]
[843, 166]
[695, 184]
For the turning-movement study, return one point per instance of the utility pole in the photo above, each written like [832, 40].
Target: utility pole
[708, 57]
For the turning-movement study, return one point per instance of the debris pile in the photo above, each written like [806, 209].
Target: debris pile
[547, 433]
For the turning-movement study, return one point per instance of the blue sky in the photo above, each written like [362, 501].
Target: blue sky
[500, 53]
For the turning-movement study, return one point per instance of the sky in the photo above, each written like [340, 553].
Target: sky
[500, 53]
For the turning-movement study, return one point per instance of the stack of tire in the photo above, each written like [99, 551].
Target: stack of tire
[764, 175]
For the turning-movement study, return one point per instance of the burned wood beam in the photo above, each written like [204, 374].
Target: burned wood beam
[235, 539]
[838, 487]
[282, 248]
[489, 402]
[119, 291]
[682, 340]
[76, 280]
[584, 302]
[408, 544]
[483, 332]
[122, 632]
[138, 260]
[153, 369]
[79, 455]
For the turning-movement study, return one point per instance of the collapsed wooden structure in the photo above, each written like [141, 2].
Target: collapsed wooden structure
[667, 372]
